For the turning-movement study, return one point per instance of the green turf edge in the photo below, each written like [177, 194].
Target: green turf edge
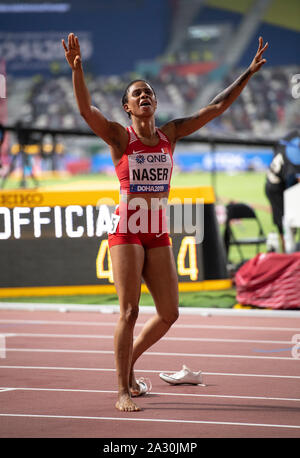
[222, 299]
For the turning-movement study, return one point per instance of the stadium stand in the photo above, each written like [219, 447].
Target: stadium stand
[264, 108]
[189, 54]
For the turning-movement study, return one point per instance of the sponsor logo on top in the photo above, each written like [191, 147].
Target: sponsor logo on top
[140, 159]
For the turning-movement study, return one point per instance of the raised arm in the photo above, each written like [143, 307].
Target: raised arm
[182, 127]
[111, 132]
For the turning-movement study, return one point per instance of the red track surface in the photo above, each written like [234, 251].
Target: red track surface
[58, 378]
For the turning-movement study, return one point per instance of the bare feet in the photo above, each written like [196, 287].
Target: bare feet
[126, 404]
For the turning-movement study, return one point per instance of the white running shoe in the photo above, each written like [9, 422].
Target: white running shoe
[185, 376]
[145, 386]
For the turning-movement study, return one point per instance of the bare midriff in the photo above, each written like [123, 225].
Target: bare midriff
[154, 200]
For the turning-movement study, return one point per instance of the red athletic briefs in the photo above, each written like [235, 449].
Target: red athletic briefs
[140, 226]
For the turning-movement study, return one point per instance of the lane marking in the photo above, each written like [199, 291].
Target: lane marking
[181, 339]
[73, 390]
[2, 346]
[110, 309]
[152, 353]
[148, 371]
[274, 350]
[152, 420]
[176, 326]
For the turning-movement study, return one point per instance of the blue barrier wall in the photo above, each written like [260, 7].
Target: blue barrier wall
[223, 160]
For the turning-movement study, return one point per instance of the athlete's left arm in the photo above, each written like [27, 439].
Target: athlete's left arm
[182, 127]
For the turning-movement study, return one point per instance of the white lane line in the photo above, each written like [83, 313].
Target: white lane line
[152, 353]
[181, 339]
[176, 326]
[73, 390]
[147, 371]
[152, 420]
[2, 346]
[110, 309]
[107, 309]
[7, 389]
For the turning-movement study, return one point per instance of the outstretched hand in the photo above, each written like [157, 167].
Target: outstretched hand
[72, 51]
[258, 61]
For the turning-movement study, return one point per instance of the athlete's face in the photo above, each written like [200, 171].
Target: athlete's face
[141, 100]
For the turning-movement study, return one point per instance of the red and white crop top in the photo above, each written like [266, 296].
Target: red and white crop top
[145, 168]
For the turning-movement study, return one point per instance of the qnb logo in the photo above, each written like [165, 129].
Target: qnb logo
[140, 159]
[2, 87]
[295, 81]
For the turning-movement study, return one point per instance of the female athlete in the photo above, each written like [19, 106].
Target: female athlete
[143, 157]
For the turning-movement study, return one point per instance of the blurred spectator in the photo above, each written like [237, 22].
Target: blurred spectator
[282, 174]
[262, 110]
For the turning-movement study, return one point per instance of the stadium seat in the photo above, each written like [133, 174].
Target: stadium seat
[241, 211]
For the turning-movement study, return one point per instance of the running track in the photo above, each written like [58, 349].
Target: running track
[58, 378]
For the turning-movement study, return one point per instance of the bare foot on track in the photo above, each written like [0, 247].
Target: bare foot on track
[126, 404]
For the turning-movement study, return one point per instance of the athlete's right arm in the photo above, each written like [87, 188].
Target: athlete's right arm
[111, 132]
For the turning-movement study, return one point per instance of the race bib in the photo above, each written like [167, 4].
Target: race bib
[149, 172]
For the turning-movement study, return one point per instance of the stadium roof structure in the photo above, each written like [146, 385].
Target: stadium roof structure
[283, 14]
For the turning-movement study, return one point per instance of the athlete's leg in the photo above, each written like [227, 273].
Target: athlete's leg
[127, 264]
[160, 276]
